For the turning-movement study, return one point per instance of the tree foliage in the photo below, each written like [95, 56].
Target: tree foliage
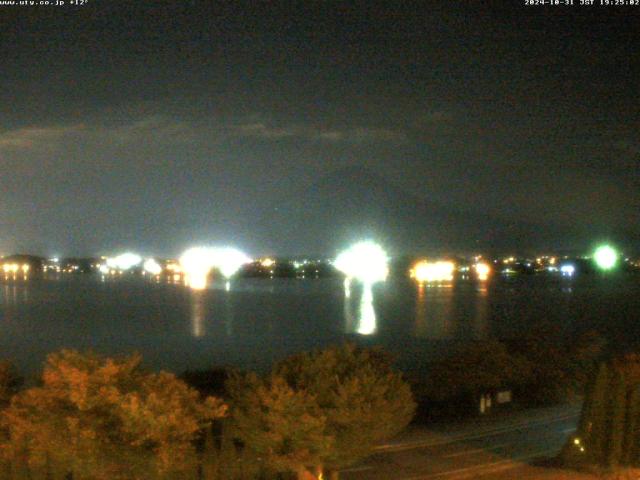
[98, 418]
[608, 433]
[283, 425]
[10, 382]
[540, 366]
[475, 368]
[322, 409]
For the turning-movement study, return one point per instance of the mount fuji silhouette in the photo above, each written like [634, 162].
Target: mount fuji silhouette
[354, 203]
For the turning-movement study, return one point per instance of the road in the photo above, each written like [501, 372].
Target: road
[487, 447]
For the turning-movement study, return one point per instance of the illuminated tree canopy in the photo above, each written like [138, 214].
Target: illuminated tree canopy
[104, 418]
[344, 401]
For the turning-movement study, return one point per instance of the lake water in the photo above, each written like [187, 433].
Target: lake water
[258, 321]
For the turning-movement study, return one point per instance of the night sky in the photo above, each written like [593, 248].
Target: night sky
[155, 126]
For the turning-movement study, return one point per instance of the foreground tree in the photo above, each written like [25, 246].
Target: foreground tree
[559, 365]
[608, 433]
[476, 368]
[10, 382]
[102, 418]
[283, 426]
[321, 411]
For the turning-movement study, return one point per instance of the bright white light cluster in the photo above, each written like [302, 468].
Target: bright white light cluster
[152, 267]
[425, 271]
[124, 261]
[197, 263]
[229, 260]
[365, 261]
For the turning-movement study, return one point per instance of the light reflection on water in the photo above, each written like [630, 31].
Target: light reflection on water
[480, 319]
[433, 319]
[198, 313]
[367, 319]
[258, 320]
[204, 314]
[421, 311]
[359, 317]
[229, 313]
[206, 311]
[347, 288]
[15, 294]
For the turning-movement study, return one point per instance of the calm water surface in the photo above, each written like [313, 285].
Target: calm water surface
[258, 321]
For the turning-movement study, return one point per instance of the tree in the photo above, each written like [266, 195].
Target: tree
[104, 418]
[617, 413]
[581, 361]
[545, 350]
[631, 445]
[283, 425]
[10, 382]
[594, 417]
[608, 433]
[475, 368]
[325, 409]
[560, 366]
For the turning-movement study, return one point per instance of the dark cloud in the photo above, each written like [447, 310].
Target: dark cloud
[158, 125]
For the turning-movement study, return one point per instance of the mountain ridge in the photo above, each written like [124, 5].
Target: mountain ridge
[353, 203]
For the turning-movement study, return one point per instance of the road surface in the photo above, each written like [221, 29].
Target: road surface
[489, 447]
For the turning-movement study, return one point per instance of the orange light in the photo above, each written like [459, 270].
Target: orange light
[425, 271]
[483, 270]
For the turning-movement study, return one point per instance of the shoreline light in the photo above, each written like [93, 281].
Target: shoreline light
[152, 267]
[425, 271]
[124, 261]
[196, 263]
[606, 257]
[229, 260]
[482, 270]
[11, 268]
[267, 262]
[364, 261]
[567, 270]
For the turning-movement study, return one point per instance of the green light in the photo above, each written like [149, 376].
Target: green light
[605, 257]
